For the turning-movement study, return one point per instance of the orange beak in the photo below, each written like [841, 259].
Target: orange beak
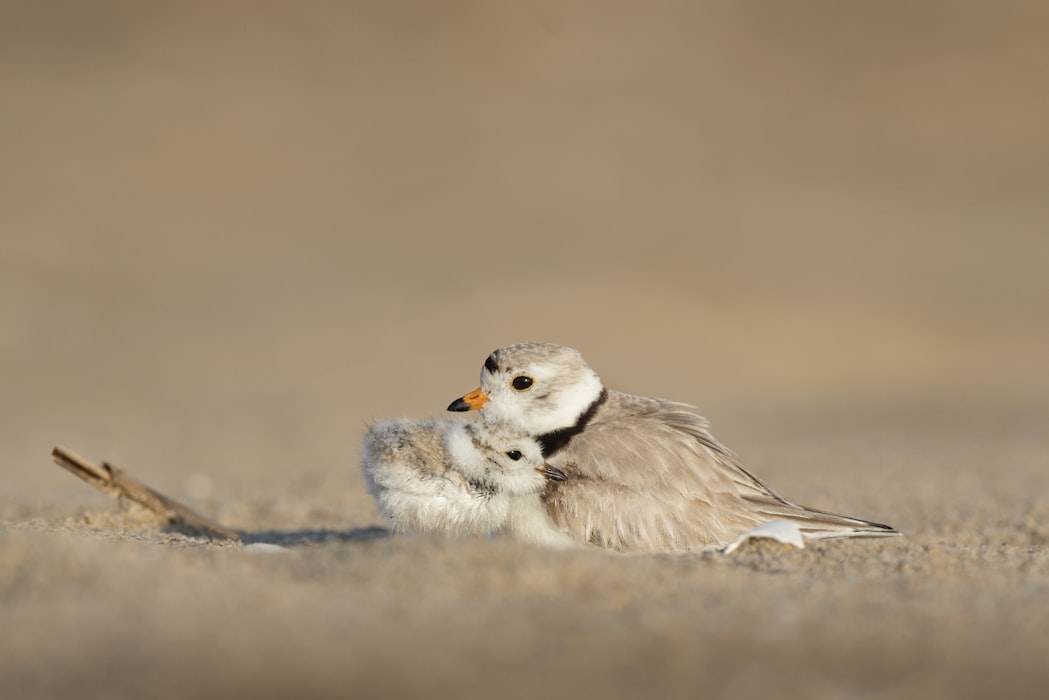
[471, 402]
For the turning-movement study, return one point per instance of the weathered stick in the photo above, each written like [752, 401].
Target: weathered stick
[110, 480]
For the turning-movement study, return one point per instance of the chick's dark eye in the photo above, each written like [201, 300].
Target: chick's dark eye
[514, 455]
[521, 383]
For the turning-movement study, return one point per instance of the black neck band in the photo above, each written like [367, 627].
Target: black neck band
[553, 441]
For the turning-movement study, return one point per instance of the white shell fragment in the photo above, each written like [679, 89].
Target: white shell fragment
[264, 548]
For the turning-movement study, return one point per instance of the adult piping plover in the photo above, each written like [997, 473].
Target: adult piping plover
[642, 474]
[456, 478]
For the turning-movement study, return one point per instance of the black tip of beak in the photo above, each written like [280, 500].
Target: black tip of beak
[459, 406]
[553, 473]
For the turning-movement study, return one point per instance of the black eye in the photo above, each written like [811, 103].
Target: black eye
[514, 455]
[521, 383]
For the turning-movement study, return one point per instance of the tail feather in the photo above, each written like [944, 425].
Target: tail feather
[818, 524]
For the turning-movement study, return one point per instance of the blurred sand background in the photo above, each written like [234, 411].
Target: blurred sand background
[233, 233]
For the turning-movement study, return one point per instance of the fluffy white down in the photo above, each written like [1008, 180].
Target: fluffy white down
[480, 452]
[450, 509]
[450, 478]
[528, 521]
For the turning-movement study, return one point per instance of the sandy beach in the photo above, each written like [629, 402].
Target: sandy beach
[232, 236]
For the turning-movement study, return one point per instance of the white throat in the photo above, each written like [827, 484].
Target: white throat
[542, 410]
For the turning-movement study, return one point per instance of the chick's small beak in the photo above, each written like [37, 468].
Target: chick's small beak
[552, 473]
[471, 402]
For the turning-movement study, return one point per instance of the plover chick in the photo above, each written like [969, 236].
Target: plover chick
[642, 474]
[459, 478]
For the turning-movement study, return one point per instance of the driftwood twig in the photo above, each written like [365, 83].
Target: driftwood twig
[110, 480]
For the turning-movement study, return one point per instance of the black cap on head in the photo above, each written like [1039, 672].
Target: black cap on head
[490, 365]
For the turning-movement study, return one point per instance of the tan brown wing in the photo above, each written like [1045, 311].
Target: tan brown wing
[647, 475]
